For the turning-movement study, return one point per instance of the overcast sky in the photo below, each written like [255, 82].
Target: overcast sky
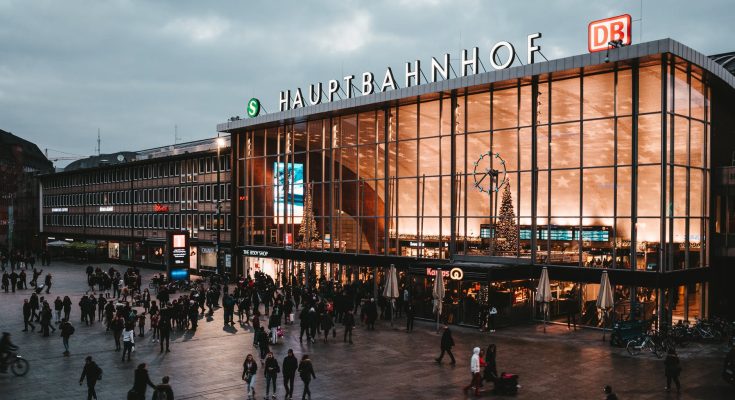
[134, 69]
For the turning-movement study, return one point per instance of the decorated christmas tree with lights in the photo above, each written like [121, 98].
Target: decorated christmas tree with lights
[308, 230]
[506, 239]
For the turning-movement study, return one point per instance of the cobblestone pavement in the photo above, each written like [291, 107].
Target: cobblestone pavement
[387, 363]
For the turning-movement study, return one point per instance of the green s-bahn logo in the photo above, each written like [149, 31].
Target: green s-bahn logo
[253, 107]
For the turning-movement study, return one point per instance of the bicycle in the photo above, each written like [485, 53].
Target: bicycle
[644, 343]
[18, 365]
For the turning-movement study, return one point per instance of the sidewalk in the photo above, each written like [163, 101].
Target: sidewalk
[387, 363]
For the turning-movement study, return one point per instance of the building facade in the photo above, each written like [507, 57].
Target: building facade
[588, 163]
[20, 162]
[119, 207]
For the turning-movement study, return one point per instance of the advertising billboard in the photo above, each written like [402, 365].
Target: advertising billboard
[295, 199]
[178, 256]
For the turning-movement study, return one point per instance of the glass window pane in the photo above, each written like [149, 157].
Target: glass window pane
[625, 141]
[649, 89]
[599, 95]
[446, 155]
[429, 156]
[598, 192]
[477, 145]
[624, 92]
[505, 108]
[697, 99]
[542, 147]
[697, 192]
[649, 139]
[649, 191]
[681, 140]
[407, 158]
[525, 115]
[348, 131]
[407, 197]
[407, 122]
[680, 192]
[429, 197]
[542, 197]
[367, 162]
[697, 144]
[565, 145]
[525, 150]
[505, 143]
[429, 118]
[681, 89]
[478, 112]
[564, 194]
[367, 128]
[565, 100]
[599, 143]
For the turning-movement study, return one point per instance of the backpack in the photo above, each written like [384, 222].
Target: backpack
[160, 394]
[99, 372]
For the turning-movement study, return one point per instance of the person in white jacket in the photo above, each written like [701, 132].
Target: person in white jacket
[475, 371]
[128, 340]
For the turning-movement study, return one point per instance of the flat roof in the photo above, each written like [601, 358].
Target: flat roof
[563, 64]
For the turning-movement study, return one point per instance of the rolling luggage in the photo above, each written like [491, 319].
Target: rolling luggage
[39, 289]
[506, 384]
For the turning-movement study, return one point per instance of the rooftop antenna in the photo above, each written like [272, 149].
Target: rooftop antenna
[99, 147]
[640, 21]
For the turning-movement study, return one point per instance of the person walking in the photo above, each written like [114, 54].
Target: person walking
[27, 316]
[447, 342]
[118, 326]
[101, 303]
[327, 325]
[66, 331]
[271, 371]
[304, 325]
[410, 313]
[306, 372]
[141, 381]
[572, 310]
[58, 308]
[263, 344]
[35, 303]
[492, 315]
[163, 390]
[476, 377]
[290, 365]
[491, 368]
[249, 371]
[93, 373]
[164, 331]
[672, 369]
[47, 282]
[128, 336]
[67, 307]
[349, 322]
[141, 324]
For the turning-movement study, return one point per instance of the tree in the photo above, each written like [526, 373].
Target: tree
[308, 230]
[506, 239]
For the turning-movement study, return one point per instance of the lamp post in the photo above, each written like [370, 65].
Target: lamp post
[220, 144]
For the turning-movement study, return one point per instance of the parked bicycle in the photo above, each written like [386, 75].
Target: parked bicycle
[645, 343]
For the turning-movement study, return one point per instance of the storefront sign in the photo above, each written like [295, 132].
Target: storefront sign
[255, 253]
[107, 209]
[367, 84]
[432, 272]
[60, 210]
[602, 32]
[160, 208]
[456, 274]
[178, 255]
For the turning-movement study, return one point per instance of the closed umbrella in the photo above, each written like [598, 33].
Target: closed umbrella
[605, 299]
[543, 293]
[391, 289]
[438, 294]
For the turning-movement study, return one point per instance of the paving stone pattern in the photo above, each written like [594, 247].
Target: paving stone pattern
[387, 363]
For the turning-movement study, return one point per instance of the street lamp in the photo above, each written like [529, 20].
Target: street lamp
[220, 144]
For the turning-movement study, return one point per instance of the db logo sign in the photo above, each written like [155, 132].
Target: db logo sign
[456, 274]
[601, 33]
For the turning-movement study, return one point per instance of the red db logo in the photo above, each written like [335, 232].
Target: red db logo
[601, 33]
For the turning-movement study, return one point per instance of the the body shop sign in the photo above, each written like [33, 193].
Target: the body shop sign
[178, 256]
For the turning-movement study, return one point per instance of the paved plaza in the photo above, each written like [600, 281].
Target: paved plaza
[387, 363]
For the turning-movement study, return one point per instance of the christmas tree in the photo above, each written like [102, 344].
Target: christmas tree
[308, 230]
[506, 239]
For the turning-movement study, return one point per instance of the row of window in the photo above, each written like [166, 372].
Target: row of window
[186, 169]
[185, 195]
[198, 222]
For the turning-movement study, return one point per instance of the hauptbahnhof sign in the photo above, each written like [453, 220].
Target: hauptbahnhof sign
[470, 61]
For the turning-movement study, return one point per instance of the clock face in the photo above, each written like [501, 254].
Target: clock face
[489, 172]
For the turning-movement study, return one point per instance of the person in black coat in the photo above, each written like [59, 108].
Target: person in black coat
[672, 369]
[349, 322]
[263, 344]
[304, 324]
[306, 372]
[164, 330]
[93, 373]
[271, 371]
[447, 343]
[27, 316]
[290, 365]
[371, 314]
[409, 317]
[249, 371]
[141, 382]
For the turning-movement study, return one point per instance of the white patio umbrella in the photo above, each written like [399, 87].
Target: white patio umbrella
[391, 289]
[543, 293]
[58, 243]
[605, 299]
[438, 294]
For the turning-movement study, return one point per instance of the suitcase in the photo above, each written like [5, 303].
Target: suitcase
[39, 289]
[506, 384]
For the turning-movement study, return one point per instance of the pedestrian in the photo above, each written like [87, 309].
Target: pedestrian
[349, 322]
[22, 278]
[306, 372]
[34, 307]
[249, 370]
[609, 395]
[47, 282]
[271, 371]
[118, 326]
[327, 325]
[672, 370]
[27, 316]
[410, 313]
[155, 318]
[491, 367]
[141, 324]
[93, 373]
[371, 314]
[572, 315]
[141, 382]
[101, 302]
[476, 377]
[492, 314]
[304, 324]
[46, 320]
[66, 331]
[163, 390]
[128, 337]
[274, 321]
[164, 331]
[447, 342]
[290, 365]
[263, 344]
[67, 306]
[58, 308]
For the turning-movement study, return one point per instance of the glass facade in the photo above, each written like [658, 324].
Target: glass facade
[601, 167]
